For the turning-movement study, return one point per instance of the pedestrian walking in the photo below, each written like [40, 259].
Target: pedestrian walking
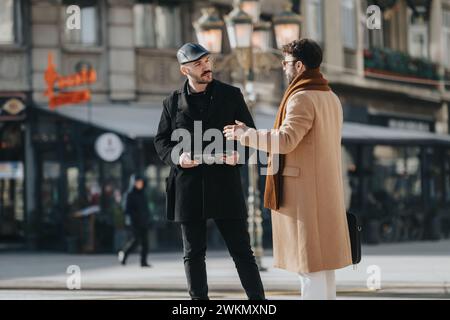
[137, 212]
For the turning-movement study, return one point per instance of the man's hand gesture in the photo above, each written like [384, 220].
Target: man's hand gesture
[235, 132]
[186, 162]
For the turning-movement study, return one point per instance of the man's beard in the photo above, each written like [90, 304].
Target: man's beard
[200, 80]
[291, 77]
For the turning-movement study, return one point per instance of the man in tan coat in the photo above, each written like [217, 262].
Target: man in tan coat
[304, 186]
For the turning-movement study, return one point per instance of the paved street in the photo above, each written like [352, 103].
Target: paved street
[406, 271]
[181, 295]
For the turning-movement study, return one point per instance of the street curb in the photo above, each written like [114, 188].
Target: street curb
[343, 289]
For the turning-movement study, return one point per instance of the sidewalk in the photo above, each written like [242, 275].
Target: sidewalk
[404, 268]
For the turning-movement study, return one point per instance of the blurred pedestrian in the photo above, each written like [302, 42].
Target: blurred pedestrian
[137, 213]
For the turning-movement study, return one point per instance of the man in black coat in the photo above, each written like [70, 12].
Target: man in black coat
[136, 209]
[197, 191]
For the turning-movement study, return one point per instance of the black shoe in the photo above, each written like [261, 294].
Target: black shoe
[121, 257]
[146, 265]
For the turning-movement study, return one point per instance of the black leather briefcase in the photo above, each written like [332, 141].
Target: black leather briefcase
[354, 229]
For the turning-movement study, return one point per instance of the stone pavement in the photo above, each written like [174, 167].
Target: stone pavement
[406, 270]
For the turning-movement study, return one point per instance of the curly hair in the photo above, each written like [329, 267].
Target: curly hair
[305, 50]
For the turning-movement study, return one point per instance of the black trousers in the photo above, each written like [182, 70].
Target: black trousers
[140, 236]
[237, 239]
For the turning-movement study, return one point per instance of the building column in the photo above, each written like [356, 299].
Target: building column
[334, 49]
[435, 41]
[399, 31]
[437, 56]
[442, 119]
[121, 51]
[30, 171]
[361, 24]
[45, 38]
[435, 31]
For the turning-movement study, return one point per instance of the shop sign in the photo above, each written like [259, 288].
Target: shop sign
[109, 147]
[56, 84]
[11, 108]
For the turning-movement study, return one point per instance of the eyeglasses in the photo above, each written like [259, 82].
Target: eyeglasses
[285, 62]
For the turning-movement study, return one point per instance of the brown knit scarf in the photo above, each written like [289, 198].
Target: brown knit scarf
[311, 79]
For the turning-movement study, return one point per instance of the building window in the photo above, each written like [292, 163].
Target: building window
[446, 37]
[382, 38]
[314, 13]
[373, 38]
[89, 33]
[10, 22]
[349, 24]
[157, 25]
[418, 35]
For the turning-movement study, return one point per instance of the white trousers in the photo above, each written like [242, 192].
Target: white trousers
[318, 285]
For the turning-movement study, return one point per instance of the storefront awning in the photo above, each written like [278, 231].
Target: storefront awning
[130, 120]
[363, 133]
[141, 121]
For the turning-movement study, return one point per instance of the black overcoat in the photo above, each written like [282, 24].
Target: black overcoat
[206, 191]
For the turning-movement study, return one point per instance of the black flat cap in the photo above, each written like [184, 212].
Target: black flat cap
[191, 52]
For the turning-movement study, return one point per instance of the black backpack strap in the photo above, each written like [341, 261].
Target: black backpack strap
[170, 180]
[174, 110]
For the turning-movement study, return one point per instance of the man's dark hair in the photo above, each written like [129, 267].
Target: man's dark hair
[305, 50]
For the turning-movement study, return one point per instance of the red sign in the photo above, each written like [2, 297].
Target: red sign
[52, 78]
[71, 97]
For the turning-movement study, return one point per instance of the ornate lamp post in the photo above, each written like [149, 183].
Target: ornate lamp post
[252, 8]
[287, 26]
[240, 30]
[250, 41]
[261, 38]
[209, 29]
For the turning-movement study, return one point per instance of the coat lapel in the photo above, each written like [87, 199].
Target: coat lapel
[191, 112]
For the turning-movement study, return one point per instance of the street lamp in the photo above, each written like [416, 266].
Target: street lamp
[252, 8]
[240, 29]
[250, 41]
[209, 30]
[287, 26]
[261, 38]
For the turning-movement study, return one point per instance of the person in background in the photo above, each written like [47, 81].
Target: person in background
[136, 211]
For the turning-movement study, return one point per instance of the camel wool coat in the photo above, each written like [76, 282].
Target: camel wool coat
[310, 231]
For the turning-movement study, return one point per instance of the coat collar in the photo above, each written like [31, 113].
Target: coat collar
[184, 107]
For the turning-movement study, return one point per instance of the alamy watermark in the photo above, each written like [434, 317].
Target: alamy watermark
[374, 280]
[373, 14]
[219, 146]
[73, 281]
[73, 21]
